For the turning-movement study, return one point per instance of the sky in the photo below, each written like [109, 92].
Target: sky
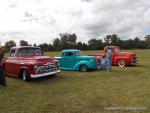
[41, 21]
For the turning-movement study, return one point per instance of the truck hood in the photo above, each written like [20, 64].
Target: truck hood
[131, 54]
[37, 59]
[81, 57]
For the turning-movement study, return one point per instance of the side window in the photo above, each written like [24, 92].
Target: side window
[12, 53]
[69, 54]
[21, 52]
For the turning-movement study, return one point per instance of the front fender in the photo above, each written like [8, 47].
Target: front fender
[28, 68]
[87, 63]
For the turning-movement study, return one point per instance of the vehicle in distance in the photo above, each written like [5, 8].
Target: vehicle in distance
[119, 57]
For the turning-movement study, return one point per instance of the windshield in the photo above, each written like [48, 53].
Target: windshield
[117, 50]
[78, 53]
[29, 52]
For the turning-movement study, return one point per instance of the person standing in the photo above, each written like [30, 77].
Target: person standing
[2, 74]
[109, 58]
[102, 62]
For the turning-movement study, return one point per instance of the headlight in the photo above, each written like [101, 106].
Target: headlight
[35, 67]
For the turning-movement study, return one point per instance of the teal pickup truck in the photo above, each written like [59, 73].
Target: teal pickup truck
[71, 59]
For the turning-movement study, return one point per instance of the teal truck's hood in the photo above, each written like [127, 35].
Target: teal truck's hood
[80, 57]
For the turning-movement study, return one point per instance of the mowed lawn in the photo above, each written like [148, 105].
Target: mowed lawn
[78, 92]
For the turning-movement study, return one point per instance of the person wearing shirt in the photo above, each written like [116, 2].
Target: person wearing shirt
[109, 58]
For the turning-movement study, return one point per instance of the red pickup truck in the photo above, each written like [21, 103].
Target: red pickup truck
[119, 58]
[28, 62]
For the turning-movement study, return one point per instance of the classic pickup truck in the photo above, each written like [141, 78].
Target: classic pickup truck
[119, 57]
[71, 59]
[28, 62]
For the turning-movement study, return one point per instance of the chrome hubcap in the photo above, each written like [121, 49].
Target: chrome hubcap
[121, 63]
[84, 68]
[24, 75]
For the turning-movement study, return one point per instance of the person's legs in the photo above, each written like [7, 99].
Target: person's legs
[103, 66]
[109, 64]
[2, 77]
[100, 66]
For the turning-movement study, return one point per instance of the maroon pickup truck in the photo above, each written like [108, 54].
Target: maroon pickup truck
[28, 62]
[120, 58]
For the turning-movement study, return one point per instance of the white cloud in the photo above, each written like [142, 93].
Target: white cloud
[39, 21]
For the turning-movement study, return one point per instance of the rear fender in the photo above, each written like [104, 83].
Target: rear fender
[77, 66]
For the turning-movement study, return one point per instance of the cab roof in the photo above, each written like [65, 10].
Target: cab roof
[71, 50]
[112, 46]
[19, 47]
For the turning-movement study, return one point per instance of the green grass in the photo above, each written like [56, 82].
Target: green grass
[78, 92]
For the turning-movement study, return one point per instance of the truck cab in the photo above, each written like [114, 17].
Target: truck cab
[28, 62]
[72, 59]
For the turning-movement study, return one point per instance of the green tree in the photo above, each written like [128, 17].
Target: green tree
[44, 46]
[34, 45]
[147, 41]
[137, 42]
[9, 45]
[115, 39]
[95, 44]
[23, 43]
[68, 41]
[107, 39]
[56, 44]
[82, 46]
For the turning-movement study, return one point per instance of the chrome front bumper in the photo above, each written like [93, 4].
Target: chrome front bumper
[45, 74]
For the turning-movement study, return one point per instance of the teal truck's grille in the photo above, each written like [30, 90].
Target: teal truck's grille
[46, 69]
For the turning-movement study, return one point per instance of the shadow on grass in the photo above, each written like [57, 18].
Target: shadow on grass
[40, 79]
[46, 78]
[139, 66]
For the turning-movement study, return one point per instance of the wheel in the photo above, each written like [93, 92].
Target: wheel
[25, 75]
[121, 63]
[83, 68]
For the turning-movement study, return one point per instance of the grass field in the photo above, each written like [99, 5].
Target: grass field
[78, 92]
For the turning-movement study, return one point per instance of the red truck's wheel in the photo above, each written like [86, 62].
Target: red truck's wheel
[121, 63]
[83, 68]
[25, 75]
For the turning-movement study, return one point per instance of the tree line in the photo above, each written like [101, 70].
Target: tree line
[69, 41]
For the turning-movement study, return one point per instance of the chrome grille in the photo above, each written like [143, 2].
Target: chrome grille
[46, 69]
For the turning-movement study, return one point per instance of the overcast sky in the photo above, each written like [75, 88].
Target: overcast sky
[40, 21]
